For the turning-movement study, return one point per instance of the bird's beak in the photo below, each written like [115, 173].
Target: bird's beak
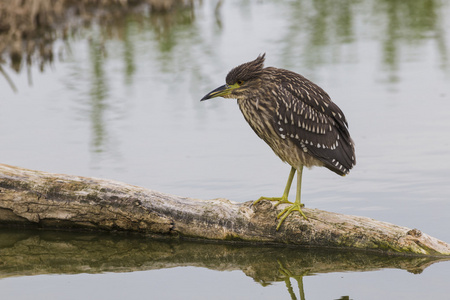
[220, 91]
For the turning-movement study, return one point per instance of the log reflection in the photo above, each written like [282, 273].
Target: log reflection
[47, 252]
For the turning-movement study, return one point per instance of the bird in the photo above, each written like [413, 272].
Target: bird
[295, 117]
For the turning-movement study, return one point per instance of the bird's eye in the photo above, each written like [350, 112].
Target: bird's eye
[240, 82]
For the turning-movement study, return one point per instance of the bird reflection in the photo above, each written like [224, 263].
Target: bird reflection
[287, 275]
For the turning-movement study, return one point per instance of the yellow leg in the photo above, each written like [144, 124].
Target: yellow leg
[284, 198]
[297, 205]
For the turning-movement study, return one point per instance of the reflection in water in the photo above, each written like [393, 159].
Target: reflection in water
[315, 29]
[287, 279]
[315, 26]
[30, 29]
[98, 94]
[35, 253]
[129, 55]
[8, 79]
[320, 27]
[27, 32]
[410, 22]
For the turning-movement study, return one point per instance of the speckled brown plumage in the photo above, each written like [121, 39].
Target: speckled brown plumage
[294, 116]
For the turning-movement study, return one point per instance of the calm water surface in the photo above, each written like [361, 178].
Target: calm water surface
[121, 101]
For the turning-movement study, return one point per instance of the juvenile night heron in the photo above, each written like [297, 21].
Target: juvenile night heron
[295, 117]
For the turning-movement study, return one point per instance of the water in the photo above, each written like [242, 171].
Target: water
[121, 101]
[92, 266]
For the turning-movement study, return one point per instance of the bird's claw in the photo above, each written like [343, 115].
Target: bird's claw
[288, 210]
[279, 199]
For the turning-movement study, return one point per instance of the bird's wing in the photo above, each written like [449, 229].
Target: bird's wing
[314, 96]
[308, 117]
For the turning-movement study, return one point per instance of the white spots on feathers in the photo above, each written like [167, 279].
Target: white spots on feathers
[307, 95]
[339, 166]
[307, 118]
[339, 114]
[303, 146]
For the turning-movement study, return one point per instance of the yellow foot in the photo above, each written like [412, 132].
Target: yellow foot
[279, 199]
[288, 210]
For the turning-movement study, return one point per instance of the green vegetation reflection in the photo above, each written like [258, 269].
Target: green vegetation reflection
[29, 28]
[175, 39]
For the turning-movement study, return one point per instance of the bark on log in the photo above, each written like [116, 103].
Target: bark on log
[45, 200]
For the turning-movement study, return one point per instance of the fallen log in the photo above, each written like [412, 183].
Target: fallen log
[36, 199]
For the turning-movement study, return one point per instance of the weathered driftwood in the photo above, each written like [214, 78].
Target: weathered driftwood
[39, 199]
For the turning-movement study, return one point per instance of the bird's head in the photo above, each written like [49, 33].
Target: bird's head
[239, 80]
